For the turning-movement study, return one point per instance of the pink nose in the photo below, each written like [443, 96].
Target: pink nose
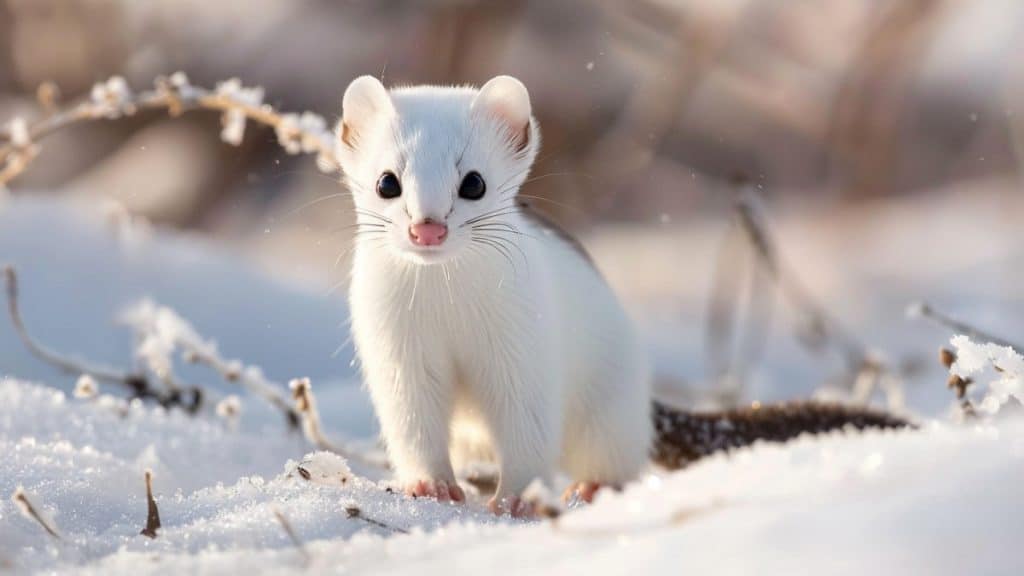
[428, 233]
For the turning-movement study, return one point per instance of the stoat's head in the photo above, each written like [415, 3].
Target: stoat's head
[434, 169]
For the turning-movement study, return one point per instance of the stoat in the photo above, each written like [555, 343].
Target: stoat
[482, 330]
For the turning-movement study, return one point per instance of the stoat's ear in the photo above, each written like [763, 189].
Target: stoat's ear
[505, 98]
[366, 101]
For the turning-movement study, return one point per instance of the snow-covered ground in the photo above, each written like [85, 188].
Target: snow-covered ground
[943, 499]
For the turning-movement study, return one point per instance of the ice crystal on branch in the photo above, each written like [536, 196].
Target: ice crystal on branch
[112, 98]
[86, 388]
[973, 358]
[17, 130]
[233, 120]
[237, 104]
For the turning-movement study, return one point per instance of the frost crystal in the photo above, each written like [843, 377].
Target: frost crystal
[113, 98]
[179, 80]
[325, 468]
[308, 133]
[18, 131]
[86, 387]
[233, 130]
[229, 408]
[972, 359]
[233, 120]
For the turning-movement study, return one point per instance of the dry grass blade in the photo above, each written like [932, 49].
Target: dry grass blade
[287, 527]
[306, 407]
[821, 327]
[355, 513]
[925, 310]
[29, 510]
[152, 513]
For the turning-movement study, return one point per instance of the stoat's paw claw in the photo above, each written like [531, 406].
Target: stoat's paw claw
[441, 490]
[581, 492]
[514, 506]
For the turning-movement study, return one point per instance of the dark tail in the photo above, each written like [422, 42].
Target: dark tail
[682, 437]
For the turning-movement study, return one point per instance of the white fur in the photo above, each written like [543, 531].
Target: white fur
[513, 347]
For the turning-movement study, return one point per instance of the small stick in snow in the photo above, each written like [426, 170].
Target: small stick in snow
[925, 310]
[29, 511]
[152, 513]
[305, 405]
[355, 513]
[287, 527]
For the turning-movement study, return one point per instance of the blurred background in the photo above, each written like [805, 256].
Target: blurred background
[883, 141]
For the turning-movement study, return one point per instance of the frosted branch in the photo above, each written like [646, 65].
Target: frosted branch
[307, 133]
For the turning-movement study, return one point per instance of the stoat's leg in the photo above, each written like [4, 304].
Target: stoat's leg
[523, 413]
[414, 405]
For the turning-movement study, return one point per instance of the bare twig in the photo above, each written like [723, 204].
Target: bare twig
[249, 378]
[152, 513]
[355, 513]
[305, 405]
[819, 324]
[287, 527]
[113, 99]
[163, 326]
[28, 510]
[188, 398]
[925, 310]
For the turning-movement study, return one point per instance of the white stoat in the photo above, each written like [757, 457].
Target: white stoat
[479, 327]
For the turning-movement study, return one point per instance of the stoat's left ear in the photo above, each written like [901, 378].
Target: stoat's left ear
[506, 99]
[366, 102]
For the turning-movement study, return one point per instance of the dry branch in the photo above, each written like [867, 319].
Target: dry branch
[355, 513]
[820, 327]
[925, 310]
[152, 513]
[139, 385]
[28, 510]
[306, 133]
[309, 415]
[160, 332]
[287, 527]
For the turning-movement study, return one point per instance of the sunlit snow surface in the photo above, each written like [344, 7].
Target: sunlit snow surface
[943, 499]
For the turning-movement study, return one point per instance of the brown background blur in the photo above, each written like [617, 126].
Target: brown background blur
[646, 106]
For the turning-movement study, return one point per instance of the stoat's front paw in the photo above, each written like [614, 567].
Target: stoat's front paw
[513, 506]
[442, 490]
[580, 492]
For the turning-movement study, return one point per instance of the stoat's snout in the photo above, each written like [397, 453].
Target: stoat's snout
[428, 233]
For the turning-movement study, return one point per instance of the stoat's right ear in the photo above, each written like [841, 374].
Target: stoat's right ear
[366, 102]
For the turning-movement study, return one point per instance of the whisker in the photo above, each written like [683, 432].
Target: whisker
[357, 225]
[415, 286]
[508, 242]
[505, 211]
[315, 201]
[575, 209]
[498, 247]
[499, 227]
[371, 214]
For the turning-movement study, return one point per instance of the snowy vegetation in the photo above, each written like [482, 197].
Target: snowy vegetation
[237, 491]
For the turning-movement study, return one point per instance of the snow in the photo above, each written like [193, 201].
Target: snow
[1007, 382]
[941, 499]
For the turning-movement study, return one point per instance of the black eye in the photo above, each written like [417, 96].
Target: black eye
[472, 187]
[388, 186]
